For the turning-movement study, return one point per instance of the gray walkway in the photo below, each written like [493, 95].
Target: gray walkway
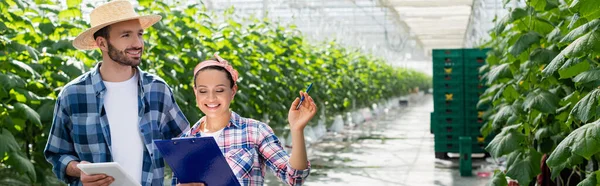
[395, 149]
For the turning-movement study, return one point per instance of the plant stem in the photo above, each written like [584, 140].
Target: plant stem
[569, 179]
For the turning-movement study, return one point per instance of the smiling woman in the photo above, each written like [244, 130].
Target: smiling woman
[247, 144]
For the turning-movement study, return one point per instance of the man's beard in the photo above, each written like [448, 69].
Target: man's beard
[121, 57]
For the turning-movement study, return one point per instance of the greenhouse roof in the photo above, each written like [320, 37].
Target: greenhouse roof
[435, 23]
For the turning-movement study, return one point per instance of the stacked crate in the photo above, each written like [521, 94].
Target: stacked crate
[474, 88]
[447, 119]
[457, 85]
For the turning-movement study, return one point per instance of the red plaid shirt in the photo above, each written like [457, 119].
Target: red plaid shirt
[248, 145]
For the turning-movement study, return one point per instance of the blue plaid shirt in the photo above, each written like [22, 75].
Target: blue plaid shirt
[80, 129]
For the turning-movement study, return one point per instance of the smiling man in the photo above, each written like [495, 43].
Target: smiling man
[113, 112]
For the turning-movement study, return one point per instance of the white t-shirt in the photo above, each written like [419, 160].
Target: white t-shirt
[214, 134]
[121, 106]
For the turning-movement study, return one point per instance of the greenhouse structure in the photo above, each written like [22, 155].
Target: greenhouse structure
[300, 92]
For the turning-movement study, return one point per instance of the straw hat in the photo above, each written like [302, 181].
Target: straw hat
[107, 14]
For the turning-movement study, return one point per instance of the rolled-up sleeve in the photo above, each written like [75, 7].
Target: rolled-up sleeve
[278, 159]
[59, 149]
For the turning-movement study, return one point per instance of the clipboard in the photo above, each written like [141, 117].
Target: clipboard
[197, 160]
[109, 168]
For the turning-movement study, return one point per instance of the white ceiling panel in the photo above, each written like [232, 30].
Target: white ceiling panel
[435, 23]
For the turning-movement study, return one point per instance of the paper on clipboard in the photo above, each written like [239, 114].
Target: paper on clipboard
[111, 169]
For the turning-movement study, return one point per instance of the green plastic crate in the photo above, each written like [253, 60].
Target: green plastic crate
[475, 52]
[472, 103]
[448, 77]
[439, 62]
[448, 84]
[453, 147]
[439, 101]
[448, 136]
[474, 61]
[442, 90]
[475, 86]
[448, 119]
[474, 121]
[432, 122]
[454, 128]
[446, 146]
[473, 95]
[458, 52]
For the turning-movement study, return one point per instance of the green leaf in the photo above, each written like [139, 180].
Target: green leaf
[587, 8]
[524, 42]
[573, 21]
[28, 113]
[590, 180]
[587, 76]
[583, 29]
[46, 111]
[24, 68]
[583, 45]
[19, 47]
[517, 14]
[573, 70]
[499, 179]
[28, 96]
[541, 5]
[555, 35]
[73, 3]
[586, 109]
[499, 71]
[502, 116]
[22, 164]
[71, 13]
[523, 165]
[510, 92]
[11, 81]
[507, 141]
[47, 28]
[9, 144]
[583, 142]
[3, 26]
[542, 56]
[541, 100]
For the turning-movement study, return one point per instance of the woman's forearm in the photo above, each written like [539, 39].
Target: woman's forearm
[298, 160]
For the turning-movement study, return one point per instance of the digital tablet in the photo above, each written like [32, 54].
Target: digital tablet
[109, 168]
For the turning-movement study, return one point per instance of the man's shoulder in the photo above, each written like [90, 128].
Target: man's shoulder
[79, 85]
[152, 79]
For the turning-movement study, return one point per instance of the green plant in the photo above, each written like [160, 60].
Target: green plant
[274, 61]
[543, 87]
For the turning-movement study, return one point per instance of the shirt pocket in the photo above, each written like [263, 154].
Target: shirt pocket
[241, 161]
[87, 134]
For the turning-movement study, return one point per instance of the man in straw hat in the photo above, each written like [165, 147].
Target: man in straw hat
[114, 111]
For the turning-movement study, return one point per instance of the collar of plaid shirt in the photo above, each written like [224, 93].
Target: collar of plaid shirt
[99, 87]
[195, 130]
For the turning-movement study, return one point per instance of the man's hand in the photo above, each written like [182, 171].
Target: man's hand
[92, 180]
